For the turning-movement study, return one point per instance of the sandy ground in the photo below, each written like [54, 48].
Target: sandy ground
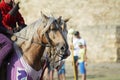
[95, 71]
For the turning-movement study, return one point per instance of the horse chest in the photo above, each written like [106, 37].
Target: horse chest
[18, 69]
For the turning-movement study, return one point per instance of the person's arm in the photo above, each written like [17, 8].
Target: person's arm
[85, 53]
[85, 46]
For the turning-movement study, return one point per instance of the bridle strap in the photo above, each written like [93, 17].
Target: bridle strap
[40, 43]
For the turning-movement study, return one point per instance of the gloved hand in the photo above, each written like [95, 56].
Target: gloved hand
[15, 9]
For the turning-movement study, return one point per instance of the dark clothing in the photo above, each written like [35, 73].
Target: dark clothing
[4, 31]
[7, 23]
[75, 59]
[5, 47]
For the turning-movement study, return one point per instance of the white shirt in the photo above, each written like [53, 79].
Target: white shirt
[76, 41]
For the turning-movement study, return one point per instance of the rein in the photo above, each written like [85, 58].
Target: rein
[40, 43]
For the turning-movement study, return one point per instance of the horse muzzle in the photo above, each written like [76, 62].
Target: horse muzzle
[66, 54]
[63, 50]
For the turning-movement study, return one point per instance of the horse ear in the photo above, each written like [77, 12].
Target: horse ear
[66, 20]
[59, 19]
[44, 17]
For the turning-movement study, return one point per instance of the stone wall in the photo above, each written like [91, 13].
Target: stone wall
[97, 20]
[101, 42]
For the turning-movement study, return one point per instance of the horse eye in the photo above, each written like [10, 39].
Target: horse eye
[55, 21]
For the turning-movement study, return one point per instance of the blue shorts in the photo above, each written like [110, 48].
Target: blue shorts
[62, 70]
[82, 68]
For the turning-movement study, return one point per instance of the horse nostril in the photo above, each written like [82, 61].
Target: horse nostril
[62, 48]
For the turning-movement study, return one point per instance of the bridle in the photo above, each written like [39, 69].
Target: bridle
[55, 53]
[51, 47]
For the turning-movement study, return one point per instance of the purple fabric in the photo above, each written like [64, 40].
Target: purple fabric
[5, 47]
[15, 69]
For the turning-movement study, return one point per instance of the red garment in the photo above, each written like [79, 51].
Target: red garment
[9, 21]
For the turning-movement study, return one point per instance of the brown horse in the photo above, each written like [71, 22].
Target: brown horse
[26, 62]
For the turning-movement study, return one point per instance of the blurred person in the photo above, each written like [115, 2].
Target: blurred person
[50, 73]
[61, 72]
[82, 61]
[5, 42]
[76, 40]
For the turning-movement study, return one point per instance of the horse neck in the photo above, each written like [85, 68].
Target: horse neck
[33, 55]
[31, 51]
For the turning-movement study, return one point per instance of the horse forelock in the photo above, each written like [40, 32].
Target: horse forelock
[51, 19]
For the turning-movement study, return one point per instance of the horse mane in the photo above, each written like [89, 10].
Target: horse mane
[26, 34]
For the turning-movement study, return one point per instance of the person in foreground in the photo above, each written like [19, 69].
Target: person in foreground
[9, 17]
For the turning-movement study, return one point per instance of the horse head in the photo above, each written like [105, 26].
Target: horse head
[56, 54]
[54, 34]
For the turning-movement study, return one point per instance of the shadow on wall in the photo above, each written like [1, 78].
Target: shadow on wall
[118, 42]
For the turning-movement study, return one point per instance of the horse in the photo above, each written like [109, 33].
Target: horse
[26, 61]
